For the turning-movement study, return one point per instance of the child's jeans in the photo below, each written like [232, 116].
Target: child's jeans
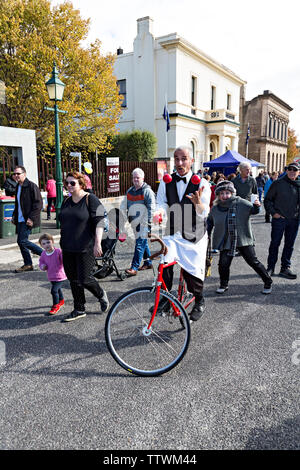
[56, 291]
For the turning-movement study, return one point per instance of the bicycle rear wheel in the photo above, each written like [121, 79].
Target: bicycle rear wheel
[139, 350]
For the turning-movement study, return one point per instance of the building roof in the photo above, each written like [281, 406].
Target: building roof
[267, 94]
[174, 40]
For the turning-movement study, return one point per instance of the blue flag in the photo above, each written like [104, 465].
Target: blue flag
[248, 134]
[166, 117]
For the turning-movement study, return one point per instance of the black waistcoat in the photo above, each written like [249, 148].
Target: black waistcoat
[182, 215]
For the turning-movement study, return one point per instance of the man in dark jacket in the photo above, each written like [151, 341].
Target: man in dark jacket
[283, 203]
[27, 215]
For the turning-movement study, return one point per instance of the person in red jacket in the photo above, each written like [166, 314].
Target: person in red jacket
[51, 194]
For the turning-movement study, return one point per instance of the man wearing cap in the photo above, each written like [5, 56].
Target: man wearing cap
[283, 203]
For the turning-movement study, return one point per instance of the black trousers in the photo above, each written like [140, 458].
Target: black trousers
[78, 268]
[249, 255]
[50, 200]
[194, 284]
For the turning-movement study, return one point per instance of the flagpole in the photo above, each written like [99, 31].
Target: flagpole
[166, 132]
[247, 140]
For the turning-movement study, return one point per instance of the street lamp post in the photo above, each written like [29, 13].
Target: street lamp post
[55, 89]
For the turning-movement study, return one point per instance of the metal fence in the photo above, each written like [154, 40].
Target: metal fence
[46, 167]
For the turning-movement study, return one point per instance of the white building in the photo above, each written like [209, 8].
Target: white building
[202, 95]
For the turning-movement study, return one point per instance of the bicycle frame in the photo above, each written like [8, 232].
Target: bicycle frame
[159, 283]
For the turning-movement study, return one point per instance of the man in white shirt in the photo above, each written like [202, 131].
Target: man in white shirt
[186, 205]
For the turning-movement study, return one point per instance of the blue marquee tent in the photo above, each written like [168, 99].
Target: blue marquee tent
[228, 162]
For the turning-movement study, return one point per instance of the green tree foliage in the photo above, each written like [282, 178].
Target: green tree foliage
[137, 145]
[32, 36]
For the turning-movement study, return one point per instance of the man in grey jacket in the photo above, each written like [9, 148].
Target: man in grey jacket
[138, 205]
[244, 184]
[283, 203]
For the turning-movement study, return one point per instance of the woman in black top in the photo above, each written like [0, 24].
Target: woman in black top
[82, 222]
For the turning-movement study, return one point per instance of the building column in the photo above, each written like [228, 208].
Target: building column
[234, 144]
[221, 145]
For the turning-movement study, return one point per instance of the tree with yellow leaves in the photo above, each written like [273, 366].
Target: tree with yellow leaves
[32, 36]
[292, 150]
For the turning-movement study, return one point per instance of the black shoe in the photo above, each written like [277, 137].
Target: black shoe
[287, 273]
[76, 314]
[164, 306]
[197, 311]
[104, 303]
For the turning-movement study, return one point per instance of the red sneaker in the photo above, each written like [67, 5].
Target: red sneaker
[61, 303]
[55, 309]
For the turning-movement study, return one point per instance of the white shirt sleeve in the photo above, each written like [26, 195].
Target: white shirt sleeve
[161, 198]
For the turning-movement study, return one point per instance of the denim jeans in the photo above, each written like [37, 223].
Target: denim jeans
[25, 244]
[288, 228]
[56, 291]
[141, 251]
[260, 193]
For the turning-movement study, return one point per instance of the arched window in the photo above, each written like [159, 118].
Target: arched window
[278, 129]
[211, 150]
[274, 129]
[193, 149]
[268, 161]
[273, 162]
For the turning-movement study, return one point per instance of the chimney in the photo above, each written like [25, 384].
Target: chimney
[119, 51]
[144, 26]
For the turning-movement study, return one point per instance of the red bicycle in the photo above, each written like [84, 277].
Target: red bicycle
[147, 329]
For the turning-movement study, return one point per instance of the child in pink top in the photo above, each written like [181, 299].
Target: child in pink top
[51, 261]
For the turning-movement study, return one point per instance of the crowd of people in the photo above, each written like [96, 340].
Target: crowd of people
[216, 207]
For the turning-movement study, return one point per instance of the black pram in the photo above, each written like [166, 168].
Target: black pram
[105, 264]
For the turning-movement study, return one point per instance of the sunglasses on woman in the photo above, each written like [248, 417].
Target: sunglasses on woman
[72, 183]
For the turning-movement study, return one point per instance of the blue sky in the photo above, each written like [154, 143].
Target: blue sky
[258, 40]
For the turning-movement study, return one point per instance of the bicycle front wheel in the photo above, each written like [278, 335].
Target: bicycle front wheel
[143, 351]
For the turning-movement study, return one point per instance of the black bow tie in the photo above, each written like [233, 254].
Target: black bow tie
[179, 178]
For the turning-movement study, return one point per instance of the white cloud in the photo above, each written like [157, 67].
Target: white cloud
[257, 40]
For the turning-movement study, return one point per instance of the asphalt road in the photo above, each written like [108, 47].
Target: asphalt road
[237, 387]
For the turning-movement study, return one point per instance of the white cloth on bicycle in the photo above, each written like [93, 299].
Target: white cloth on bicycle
[190, 256]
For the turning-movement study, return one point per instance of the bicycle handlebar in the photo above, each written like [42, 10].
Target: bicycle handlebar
[163, 250]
